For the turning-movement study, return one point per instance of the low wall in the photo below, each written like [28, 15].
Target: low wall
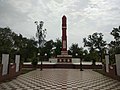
[112, 72]
[75, 60]
[53, 60]
[11, 72]
[89, 66]
[70, 66]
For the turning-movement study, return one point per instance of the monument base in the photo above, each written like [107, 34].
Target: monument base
[64, 57]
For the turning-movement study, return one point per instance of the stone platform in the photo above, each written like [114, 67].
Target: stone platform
[64, 57]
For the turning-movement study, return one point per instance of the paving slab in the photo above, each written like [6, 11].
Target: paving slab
[61, 79]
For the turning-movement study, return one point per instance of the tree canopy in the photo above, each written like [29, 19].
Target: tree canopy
[95, 42]
[13, 43]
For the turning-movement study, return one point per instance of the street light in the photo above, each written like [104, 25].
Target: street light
[76, 54]
[80, 62]
[45, 56]
[81, 68]
[51, 53]
[39, 60]
[38, 54]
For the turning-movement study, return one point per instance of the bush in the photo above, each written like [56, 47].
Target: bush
[34, 62]
[117, 50]
[93, 62]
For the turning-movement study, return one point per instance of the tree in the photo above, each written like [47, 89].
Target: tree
[95, 42]
[6, 41]
[76, 49]
[116, 44]
[47, 48]
[116, 34]
[26, 47]
[16, 44]
[58, 46]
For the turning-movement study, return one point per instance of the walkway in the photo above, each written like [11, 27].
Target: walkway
[61, 79]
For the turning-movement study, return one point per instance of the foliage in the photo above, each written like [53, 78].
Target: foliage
[16, 44]
[47, 49]
[51, 48]
[116, 34]
[75, 49]
[34, 62]
[95, 42]
[6, 41]
[116, 44]
[58, 46]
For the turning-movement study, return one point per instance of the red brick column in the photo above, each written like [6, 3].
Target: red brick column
[112, 70]
[12, 69]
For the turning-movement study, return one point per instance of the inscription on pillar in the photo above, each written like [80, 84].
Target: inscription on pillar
[64, 44]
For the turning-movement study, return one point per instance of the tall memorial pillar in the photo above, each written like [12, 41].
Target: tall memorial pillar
[64, 36]
[64, 57]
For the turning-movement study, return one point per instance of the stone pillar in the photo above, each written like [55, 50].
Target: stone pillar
[117, 57]
[17, 62]
[5, 62]
[107, 62]
[64, 36]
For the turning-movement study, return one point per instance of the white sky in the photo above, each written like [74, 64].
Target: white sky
[84, 17]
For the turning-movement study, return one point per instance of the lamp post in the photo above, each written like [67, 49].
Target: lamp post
[51, 53]
[39, 60]
[41, 34]
[45, 55]
[81, 66]
[76, 54]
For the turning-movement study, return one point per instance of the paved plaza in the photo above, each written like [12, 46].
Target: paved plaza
[61, 79]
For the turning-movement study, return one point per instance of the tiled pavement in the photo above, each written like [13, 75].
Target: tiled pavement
[61, 79]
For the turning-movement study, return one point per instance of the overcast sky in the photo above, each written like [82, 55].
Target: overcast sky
[84, 17]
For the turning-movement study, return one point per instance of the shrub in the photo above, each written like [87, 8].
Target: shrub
[34, 62]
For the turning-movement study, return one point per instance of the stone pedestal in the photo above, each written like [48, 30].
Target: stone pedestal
[64, 60]
[64, 57]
